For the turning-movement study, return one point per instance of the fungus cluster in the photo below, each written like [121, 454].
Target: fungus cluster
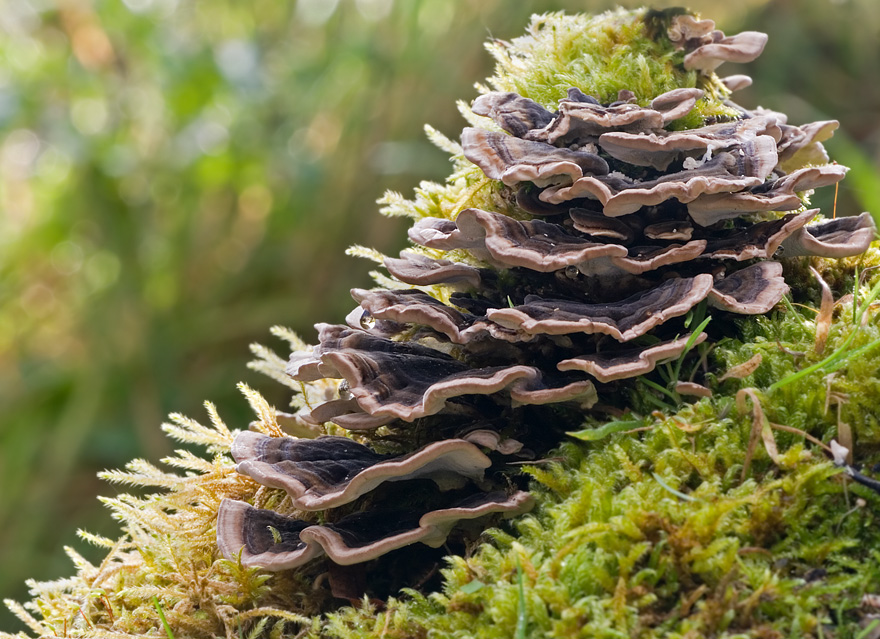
[616, 227]
[329, 472]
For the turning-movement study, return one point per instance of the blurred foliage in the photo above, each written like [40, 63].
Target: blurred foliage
[176, 177]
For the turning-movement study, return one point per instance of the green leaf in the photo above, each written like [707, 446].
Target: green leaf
[165, 625]
[471, 587]
[616, 426]
[521, 616]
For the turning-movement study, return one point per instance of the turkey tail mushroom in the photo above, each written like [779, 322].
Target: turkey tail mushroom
[573, 251]
[269, 540]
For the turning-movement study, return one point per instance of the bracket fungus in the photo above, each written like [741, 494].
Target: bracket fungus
[331, 471]
[586, 239]
[273, 541]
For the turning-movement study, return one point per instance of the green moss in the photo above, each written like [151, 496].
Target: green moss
[601, 55]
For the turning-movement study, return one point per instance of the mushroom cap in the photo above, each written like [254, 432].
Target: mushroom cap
[736, 82]
[348, 414]
[413, 307]
[780, 194]
[711, 209]
[580, 120]
[513, 160]
[760, 240]
[584, 122]
[725, 172]
[512, 112]
[365, 536]
[328, 472]
[676, 103]
[600, 226]
[840, 237]
[421, 389]
[685, 29]
[752, 290]
[439, 233]
[406, 380]
[623, 320]
[671, 230]
[271, 541]
[243, 529]
[795, 138]
[535, 393]
[631, 362]
[421, 270]
[742, 47]
[660, 148]
[336, 338]
[306, 366]
[657, 150]
[642, 259]
[493, 440]
[537, 245]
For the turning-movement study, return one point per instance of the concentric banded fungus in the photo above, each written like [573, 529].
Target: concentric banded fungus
[759, 240]
[726, 172]
[780, 194]
[736, 82]
[408, 381]
[420, 270]
[331, 471]
[624, 320]
[414, 307]
[512, 160]
[536, 245]
[841, 237]
[654, 209]
[269, 540]
[630, 362]
[598, 226]
[707, 48]
[743, 47]
[752, 290]
[514, 114]
[262, 537]
[659, 149]
[582, 119]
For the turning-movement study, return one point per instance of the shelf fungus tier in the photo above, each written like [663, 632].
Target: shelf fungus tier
[270, 540]
[607, 232]
[327, 473]
[514, 354]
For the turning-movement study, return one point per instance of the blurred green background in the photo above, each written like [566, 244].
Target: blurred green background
[176, 177]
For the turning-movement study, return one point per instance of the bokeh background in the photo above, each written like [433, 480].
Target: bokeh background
[178, 176]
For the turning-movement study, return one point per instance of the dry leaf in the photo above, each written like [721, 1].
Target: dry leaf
[743, 370]
[823, 320]
[760, 428]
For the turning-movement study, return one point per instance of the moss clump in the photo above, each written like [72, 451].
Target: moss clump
[601, 55]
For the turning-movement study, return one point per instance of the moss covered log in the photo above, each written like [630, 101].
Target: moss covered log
[729, 491]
